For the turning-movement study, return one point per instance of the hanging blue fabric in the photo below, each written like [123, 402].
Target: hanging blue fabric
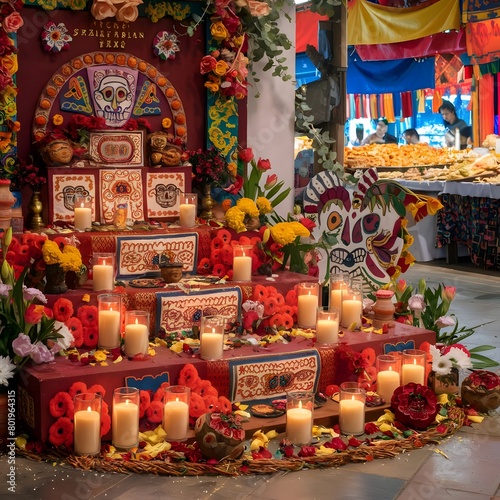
[380, 77]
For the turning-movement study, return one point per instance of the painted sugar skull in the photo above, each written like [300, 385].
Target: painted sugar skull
[359, 226]
[113, 94]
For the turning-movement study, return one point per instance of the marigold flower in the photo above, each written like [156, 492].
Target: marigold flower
[248, 206]
[264, 205]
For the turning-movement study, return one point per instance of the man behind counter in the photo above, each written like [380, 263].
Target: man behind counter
[380, 136]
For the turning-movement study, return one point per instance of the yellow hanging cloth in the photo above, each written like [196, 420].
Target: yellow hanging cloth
[373, 106]
[421, 100]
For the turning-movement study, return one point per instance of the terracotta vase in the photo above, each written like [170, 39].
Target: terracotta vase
[444, 384]
[36, 208]
[55, 279]
[383, 308]
[6, 201]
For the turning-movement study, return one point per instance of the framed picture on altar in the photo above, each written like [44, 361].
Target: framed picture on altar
[118, 148]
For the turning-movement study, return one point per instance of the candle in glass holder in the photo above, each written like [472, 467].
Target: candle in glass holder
[413, 369]
[338, 284]
[212, 337]
[187, 209]
[327, 326]
[87, 424]
[299, 417]
[352, 409]
[136, 332]
[125, 422]
[307, 301]
[242, 262]
[82, 209]
[103, 271]
[352, 306]
[109, 320]
[388, 376]
[176, 412]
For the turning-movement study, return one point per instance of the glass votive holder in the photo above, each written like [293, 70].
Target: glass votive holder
[188, 206]
[308, 302]
[82, 210]
[327, 326]
[388, 375]
[352, 409]
[338, 283]
[212, 337]
[176, 412]
[413, 367]
[352, 307]
[125, 421]
[120, 214]
[87, 424]
[136, 332]
[109, 306]
[242, 262]
[299, 417]
[103, 271]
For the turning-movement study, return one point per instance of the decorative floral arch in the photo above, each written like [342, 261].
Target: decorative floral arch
[60, 77]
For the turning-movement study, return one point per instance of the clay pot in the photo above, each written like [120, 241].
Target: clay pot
[383, 308]
[479, 396]
[444, 384]
[219, 437]
[171, 272]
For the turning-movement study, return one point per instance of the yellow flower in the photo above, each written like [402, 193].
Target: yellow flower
[433, 205]
[282, 233]
[212, 86]
[232, 168]
[299, 229]
[51, 252]
[219, 31]
[238, 40]
[221, 68]
[248, 206]
[264, 205]
[235, 219]
[57, 120]
[166, 123]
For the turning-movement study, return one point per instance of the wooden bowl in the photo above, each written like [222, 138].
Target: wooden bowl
[171, 272]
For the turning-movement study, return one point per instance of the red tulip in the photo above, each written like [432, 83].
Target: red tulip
[245, 155]
[263, 165]
[34, 313]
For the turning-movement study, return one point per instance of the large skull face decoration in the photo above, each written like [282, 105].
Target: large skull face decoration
[359, 227]
[113, 94]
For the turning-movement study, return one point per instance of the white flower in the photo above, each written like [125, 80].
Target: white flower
[459, 358]
[444, 321]
[441, 365]
[416, 302]
[66, 340]
[6, 370]
[434, 351]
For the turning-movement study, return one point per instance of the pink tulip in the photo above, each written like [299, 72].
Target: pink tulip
[271, 181]
[448, 293]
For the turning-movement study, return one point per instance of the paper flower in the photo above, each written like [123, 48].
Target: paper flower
[55, 37]
[165, 45]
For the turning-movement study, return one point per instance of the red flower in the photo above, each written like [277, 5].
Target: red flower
[155, 411]
[205, 388]
[196, 406]
[34, 313]
[61, 404]
[415, 405]
[309, 224]
[63, 309]
[249, 318]
[77, 388]
[60, 431]
[371, 428]
[105, 419]
[90, 335]
[225, 405]
[245, 155]
[87, 315]
[144, 402]
[188, 376]
[353, 442]
[97, 389]
[75, 327]
[336, 444]
[263, 165]
[219, 270]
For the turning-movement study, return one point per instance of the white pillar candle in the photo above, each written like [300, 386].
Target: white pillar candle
[109, 328]
[387, 382]
[412, 373]
[327, 331]
[136, 339]
[242, 268]
[306, 312]
[87, 432]
[83, 218]
[299, 422]
[187, 214]
[103, 277]
[125, 425]
[351, 312]
[352, 416]
[336, 299]
[212, 345]
[176, 420]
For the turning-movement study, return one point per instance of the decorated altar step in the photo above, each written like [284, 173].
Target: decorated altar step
[178, 306]
[248, 373]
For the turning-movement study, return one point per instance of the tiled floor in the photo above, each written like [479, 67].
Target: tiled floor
[470, 471]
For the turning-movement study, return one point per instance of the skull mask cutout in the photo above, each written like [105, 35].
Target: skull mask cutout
[359, 228]
[113, 94]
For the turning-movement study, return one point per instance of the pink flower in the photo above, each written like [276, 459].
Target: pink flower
[416, 302]
[401, 285]
[271, 181]
[444, 321]
[263, 165]
[22, 346]
[448, 293]
[249, 318]
[41, 353]
[12, 22]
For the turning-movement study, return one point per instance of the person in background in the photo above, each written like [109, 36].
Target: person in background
[380, 136]
[452, 124]
[411, 136]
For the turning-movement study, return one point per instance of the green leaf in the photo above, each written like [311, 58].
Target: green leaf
[481, 348]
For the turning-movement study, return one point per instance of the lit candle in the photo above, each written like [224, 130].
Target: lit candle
[136, 338]
[306, 313]
[125, 427]
[336, 299]
[387, 382]
[109, 328]
[412, 373]
[351, 312]
[327, 331]
[212, 345]
[242, 268]
[176, 420]
[187, 214]
[352, 416]
[299, 422]
[83, 218]
[103, 277]
[87, 432]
